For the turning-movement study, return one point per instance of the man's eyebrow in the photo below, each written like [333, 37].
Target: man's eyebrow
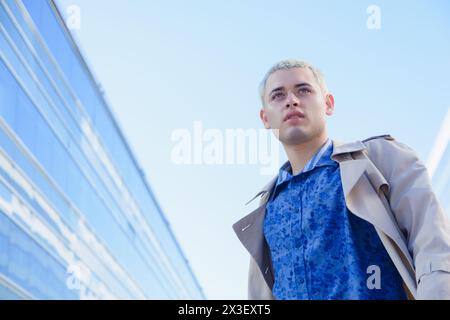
[276, 89]
[298, 85]
[303, 84]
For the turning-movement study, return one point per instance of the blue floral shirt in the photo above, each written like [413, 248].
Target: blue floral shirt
[319, 249]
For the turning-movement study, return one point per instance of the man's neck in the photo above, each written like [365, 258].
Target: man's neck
[299, 155]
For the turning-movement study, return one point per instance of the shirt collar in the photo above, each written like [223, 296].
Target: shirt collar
[321, 158]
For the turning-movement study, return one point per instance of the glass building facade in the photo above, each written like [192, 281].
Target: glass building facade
[439, 164]
[77, 218]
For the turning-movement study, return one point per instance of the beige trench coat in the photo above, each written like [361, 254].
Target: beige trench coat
[409, 221]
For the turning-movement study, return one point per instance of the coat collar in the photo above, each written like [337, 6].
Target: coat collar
[339, 148]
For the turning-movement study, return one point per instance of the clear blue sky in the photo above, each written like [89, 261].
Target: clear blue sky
[165, 64]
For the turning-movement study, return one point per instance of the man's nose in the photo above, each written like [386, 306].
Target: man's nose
[292, 100]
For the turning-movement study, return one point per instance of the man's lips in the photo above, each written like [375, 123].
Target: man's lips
[294, 115]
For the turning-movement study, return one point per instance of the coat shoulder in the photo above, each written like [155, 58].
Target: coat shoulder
[383, 136]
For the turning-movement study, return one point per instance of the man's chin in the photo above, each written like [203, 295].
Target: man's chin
[293, 136]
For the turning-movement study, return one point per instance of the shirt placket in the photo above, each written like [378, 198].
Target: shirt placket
[298, 240]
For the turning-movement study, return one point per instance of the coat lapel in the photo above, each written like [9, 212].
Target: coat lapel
[249, 230]
[363, 186]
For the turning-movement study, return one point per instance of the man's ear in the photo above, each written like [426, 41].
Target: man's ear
[329, 100]
[263, 116]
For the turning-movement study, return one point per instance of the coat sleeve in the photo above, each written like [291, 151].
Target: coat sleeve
[418, 214]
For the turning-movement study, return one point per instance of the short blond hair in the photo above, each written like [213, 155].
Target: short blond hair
[289, 64]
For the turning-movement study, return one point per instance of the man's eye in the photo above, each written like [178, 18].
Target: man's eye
[276, 96]
[304, 90]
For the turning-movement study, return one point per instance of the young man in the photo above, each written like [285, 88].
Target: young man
[341, 220]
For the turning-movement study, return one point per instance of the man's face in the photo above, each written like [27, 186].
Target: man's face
[295, 105]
